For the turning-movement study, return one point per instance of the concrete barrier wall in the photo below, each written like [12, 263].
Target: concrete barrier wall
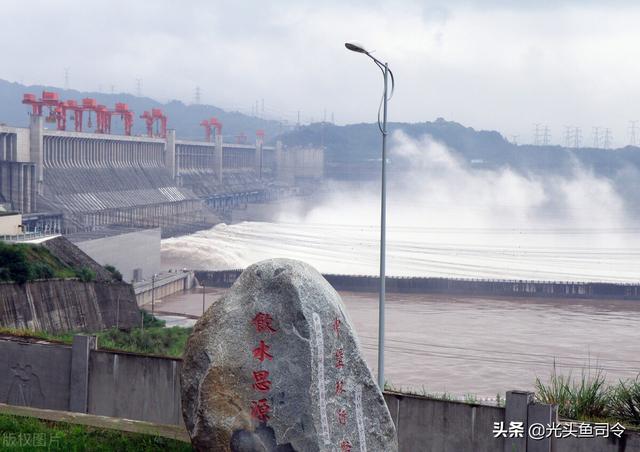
[360, 283]
[147, 388]
[165, 284]
[135, 387]
[426, 424]
[36, 375]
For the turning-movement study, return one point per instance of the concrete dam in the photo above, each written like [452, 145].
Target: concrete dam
[68, 181]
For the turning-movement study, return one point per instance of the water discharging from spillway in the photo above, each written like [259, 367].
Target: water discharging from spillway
[449, 220]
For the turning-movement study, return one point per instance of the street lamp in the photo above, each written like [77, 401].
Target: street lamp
[382, 125]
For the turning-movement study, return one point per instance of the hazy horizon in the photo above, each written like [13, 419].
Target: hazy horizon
[499, 66]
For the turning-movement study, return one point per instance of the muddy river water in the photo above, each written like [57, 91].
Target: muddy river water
[480, 345]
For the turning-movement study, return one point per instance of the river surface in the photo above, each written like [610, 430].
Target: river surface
[479, 345]
[455, 344]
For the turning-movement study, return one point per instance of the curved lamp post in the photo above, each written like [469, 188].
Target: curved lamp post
[382, 125]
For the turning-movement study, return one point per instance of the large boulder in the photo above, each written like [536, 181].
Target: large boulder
[275, 365]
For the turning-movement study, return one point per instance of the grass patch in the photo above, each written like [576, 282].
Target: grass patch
[591, 398]
[581, 399]
[625, 401]
[153, 339]
[19, 433]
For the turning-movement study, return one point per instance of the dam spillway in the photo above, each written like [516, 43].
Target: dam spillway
[78, 181]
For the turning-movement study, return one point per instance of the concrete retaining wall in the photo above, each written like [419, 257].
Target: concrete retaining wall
[550, 289]
[67, 305]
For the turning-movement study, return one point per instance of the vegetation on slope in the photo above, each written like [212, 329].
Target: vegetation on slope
[25, 262]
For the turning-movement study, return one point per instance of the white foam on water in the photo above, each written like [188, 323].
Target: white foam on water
[558, 254]
[445, 219]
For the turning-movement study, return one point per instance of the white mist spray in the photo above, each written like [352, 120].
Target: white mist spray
[446, 218]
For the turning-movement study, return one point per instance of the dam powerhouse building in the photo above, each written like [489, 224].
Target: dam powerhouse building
[75, 181]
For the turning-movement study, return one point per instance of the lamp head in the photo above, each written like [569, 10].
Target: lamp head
[355, 47]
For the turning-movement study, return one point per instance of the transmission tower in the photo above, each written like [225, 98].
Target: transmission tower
[577, 137]
[608, 138]
[596, 137]
[139, 87]
[197, 95]
[514, 139]
[66, 78]
[568, 136]
[546, 136]
[536, 134]
[633, 129]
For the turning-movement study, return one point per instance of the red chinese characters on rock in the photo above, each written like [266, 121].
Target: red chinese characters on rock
[336, 327]
[263, 323]
[260, 410]
[262, 383]
[342, 416]
[261, 352]
[345, 446]
[339, 358]
[339, 387]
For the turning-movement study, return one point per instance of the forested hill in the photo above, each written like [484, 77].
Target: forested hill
[182, 117]
[358, 144]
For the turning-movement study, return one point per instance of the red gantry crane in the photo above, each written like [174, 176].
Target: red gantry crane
[125, 114]
[208, 124]
[48, 99]
[157, 117]
[58, 113]
[77, 110]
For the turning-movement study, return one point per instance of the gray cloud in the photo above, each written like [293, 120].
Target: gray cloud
[492, 64]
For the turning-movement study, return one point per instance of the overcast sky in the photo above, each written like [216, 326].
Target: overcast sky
[489, 65]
